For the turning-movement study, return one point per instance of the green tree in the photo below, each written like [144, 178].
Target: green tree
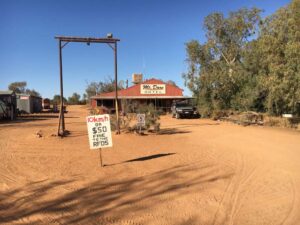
[56, 99]
[95, 88]
[216, 73]
[248, 63]
[74, 99]
[18, 87]
[32, 92]
[83, 99]
[279, 50]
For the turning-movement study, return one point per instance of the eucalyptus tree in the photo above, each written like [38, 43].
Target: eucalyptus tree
[279, 50]
[216, 71]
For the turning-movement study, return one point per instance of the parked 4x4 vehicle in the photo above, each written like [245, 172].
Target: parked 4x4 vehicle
[183, 109]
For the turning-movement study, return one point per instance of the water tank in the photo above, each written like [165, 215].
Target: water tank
[137, 78]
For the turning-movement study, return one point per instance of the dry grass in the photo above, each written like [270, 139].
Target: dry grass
[280, 122]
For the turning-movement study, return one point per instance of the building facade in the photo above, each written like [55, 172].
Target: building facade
[153, 91]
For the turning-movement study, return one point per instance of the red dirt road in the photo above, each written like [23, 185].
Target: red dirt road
[194, 172]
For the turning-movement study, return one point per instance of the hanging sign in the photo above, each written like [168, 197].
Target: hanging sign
[99, 131]
[153, 89]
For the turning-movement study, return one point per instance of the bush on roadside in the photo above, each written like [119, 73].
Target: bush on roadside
[204, 111]
[99, 110]
[280, 122]
[128, 122]
[251, 118]
[216, 115]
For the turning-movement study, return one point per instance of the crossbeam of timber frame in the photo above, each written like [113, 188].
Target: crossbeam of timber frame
[87, 39]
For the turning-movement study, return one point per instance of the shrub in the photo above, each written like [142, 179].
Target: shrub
[216, 115]
[99, 110]
[280, 122]
[127, 121]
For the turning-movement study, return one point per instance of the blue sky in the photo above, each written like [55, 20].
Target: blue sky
[152, 34]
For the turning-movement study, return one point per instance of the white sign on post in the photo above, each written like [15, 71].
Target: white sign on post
[140, 119]
[99, 131]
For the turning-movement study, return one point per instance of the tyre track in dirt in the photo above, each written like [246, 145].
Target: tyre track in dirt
[229, 193]
[293, 213]
[243, 180]
[243, 186]
[215, 176]
[253, 174]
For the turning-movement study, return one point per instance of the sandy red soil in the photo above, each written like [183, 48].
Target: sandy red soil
[195, 172]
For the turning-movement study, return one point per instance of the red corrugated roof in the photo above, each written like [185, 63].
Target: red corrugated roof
[135, 90]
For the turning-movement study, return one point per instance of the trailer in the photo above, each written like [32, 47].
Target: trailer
[46, 103]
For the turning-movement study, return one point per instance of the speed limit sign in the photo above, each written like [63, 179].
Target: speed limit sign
[99, 131]
[141, 119]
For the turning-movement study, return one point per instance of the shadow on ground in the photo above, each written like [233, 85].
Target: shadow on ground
[102, 201]
[145, 158]
[32, 118]
[77, 134]
[43, 116]
[180, 126]
[169, 131]
[149, 157]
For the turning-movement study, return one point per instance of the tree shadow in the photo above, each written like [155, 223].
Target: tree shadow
[169, 131]
[177, 126]
[202, 124]
[76, 134]
[43, 116]
[189, 221]
[19, 120]
[102, 201]
[26, 124]
[32, 118]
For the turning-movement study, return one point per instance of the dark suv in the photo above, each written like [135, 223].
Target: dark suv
[183, 109]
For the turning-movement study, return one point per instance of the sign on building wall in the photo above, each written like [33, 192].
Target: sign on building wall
[99, 131]
[153, 89]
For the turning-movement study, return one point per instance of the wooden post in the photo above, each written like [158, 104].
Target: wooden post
[116, 91]
[100, 155]
[61, 124]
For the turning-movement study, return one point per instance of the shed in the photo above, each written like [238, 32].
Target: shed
[8, 105]
[29, 103]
